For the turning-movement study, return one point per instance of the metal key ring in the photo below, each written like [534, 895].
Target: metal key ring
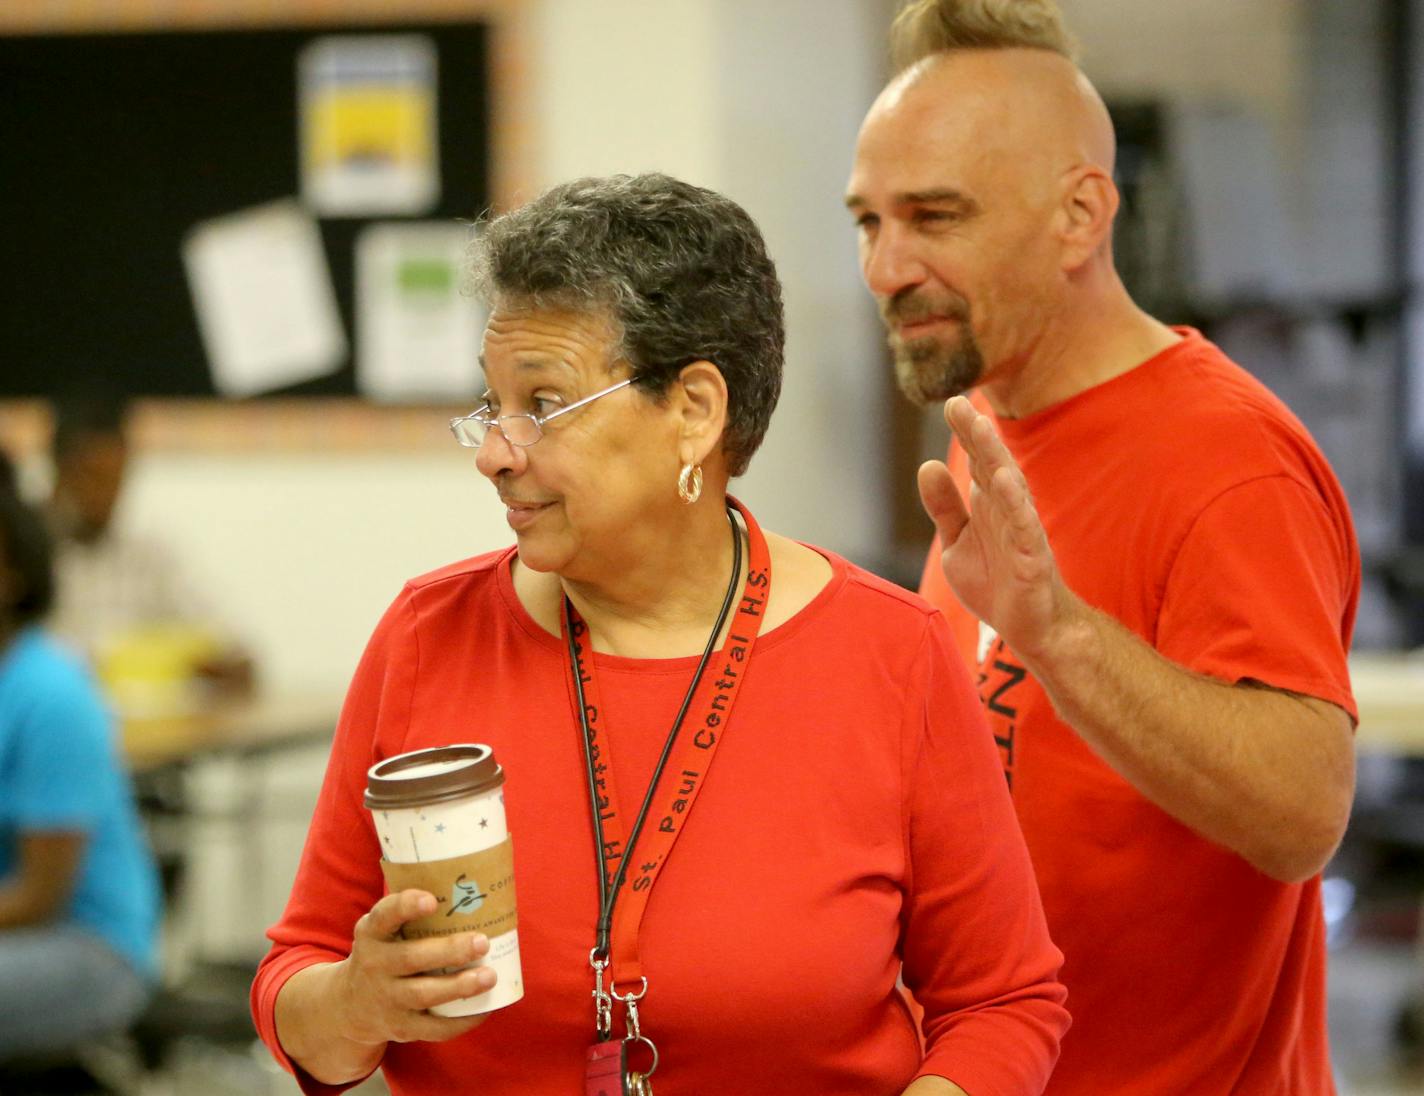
[651, 1046]
[625, 997]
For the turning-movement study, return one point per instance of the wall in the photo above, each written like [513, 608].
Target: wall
[1221, 49]
[301, 554]
[787, 122]
[300, 548]
[1310, 69]
[759, 100]
[724, 93]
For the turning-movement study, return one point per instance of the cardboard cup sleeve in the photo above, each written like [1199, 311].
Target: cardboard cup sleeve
[474, 892]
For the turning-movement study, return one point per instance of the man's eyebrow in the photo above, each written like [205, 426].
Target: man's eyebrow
[945, 195]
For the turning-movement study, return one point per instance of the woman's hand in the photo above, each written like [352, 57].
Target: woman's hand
[335, 1019]
[384, 990]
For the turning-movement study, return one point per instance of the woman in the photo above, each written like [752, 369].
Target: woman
[855, 816]
[78, 890]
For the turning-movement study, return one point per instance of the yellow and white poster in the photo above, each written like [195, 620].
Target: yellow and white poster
[369, 145]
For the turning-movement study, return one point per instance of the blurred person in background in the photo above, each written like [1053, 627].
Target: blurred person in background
[124, 601]
[853, 823]
[79, 898]
[1159, 563]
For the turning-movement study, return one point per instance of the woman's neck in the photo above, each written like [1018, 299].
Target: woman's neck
[659, 603]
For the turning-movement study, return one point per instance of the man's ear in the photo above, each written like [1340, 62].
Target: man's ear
[1089, 204]
[702, 405]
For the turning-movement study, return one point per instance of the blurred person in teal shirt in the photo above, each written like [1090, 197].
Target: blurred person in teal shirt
[79, 895]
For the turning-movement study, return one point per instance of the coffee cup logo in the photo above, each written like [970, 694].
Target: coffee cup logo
[465, 898]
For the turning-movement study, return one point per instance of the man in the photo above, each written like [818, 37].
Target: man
[1162, 563]
[116, 591]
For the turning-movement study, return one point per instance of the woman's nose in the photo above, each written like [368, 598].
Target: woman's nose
[496, 455]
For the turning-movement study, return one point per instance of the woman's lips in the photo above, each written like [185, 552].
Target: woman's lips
[522, 514]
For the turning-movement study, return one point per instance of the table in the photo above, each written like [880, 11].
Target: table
[1389, 689]
[242, 726]
[201, 769]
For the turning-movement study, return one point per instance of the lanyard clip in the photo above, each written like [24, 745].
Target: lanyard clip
[602, 1002]
[633, 1023]
[630, 1009]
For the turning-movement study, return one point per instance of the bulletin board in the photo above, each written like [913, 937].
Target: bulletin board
[116, 145]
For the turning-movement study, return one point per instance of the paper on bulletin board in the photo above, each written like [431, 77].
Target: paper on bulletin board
[263, 297]
[417, 335]
[368, 125]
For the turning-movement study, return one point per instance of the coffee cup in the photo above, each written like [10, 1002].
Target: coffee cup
[439, 815]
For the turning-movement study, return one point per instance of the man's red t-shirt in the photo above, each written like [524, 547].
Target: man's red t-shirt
[1186, 501]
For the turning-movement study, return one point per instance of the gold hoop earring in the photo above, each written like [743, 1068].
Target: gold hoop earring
[689, 483]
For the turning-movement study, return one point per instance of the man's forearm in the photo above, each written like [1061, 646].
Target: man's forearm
[1264, 773]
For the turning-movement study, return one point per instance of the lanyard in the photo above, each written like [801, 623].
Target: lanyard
[681, 769]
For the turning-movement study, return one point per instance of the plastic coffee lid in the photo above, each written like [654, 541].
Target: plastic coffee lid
[435, 775]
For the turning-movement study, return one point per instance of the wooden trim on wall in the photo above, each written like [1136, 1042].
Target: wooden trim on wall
[337, 427]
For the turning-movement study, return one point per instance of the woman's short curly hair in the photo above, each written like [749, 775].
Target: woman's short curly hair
[923, 27]
[681, 271]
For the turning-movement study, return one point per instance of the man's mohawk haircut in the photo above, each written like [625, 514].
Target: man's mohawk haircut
[924, 27]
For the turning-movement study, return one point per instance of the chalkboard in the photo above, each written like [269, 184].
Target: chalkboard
[113, 146]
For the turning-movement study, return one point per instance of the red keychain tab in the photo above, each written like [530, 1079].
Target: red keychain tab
[607, 1063]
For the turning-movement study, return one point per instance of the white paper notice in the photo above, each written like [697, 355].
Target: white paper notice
[368, 132]
[264, 300]
[417, 335]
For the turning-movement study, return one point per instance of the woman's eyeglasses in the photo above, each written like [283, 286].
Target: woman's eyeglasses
[522, 429]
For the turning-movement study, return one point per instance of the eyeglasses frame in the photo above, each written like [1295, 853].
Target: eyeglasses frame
[538, 421]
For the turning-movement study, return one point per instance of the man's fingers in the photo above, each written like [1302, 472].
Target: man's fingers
[1017, 504]
[1022, 534]
[1015, 517]
[942, 501]
[991, 466]
[985, 449]
[959, 414]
